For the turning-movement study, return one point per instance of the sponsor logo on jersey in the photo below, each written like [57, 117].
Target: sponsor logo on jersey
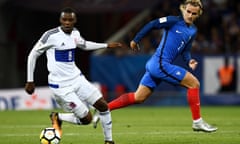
[163, 19]
[177, 31]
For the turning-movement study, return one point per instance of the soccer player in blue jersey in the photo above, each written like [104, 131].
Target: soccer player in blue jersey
[179, 33]
[72, 90]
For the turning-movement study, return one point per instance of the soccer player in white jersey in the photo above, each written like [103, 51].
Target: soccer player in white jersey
[71, 89]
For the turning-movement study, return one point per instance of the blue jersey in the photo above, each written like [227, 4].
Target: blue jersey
[176, 40]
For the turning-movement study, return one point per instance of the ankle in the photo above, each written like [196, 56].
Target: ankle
[197, 120]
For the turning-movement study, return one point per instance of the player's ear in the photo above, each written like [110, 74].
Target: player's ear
[75, 20]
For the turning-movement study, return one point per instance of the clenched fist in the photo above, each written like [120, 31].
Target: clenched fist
[30, 87]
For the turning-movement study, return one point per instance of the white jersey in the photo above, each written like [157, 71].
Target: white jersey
[60, 51]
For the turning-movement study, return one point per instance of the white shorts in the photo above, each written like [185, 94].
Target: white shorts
[77, 96]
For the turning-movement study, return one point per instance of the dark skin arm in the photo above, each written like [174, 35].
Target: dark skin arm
[114, 45]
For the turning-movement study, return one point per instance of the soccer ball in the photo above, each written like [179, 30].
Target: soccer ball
[49, 136]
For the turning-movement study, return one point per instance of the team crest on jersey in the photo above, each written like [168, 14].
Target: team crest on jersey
[79, 41]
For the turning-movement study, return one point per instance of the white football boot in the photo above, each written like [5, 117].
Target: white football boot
[203, 126]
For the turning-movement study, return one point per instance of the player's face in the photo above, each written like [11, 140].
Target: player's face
[67, 21]
[191, 13]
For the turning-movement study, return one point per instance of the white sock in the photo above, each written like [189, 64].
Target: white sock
[197, 121]
[69, 117]
[106, 122]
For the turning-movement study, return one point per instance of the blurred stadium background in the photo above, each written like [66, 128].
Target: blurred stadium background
[22, 22]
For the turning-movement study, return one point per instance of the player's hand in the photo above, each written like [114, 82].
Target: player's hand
[193, 64]
[134, 46]
[114, 45]
[30, 87]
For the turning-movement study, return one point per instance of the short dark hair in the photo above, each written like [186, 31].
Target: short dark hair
[68, 10]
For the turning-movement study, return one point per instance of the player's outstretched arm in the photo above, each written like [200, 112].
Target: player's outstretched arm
[114, 45]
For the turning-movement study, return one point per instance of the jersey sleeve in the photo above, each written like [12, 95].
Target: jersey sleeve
[163, 22]
[38, 49]
[88, 45]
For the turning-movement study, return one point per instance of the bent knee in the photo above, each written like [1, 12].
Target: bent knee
[87, 119]
[195, 84]
[190, 81]
[101, 105]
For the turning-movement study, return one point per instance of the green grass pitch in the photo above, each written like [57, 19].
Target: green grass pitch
[132, 125]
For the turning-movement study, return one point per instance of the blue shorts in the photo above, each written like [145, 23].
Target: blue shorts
[166, 72]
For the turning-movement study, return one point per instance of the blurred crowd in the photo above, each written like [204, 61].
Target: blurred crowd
[218, 28]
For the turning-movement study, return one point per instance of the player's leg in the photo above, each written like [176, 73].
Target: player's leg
[90, 94]
[74, 118]
[56, 122]
[95, 118]
[192, 84]
[145, 89]
[127, 99]
[78, 112]
[147, 84]
[54, 116]
[179, 76]
[105, 119]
